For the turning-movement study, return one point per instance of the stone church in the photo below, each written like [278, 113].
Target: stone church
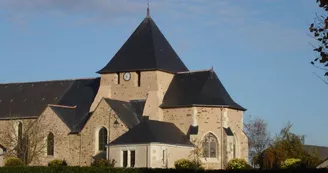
[146, 109]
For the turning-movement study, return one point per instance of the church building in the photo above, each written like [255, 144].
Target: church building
[146, 109]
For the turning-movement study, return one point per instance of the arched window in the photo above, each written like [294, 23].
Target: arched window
[102, 139]
[50, 144]
[210, 146]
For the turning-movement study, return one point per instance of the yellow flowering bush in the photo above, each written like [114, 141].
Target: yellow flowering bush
[291, 163]
[238, 164]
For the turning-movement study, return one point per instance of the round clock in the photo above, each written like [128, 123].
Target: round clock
[127, 76]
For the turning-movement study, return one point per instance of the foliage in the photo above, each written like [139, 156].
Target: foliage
[286, 145]
[103, 163]
[238, 164]
[291, 163]
[57, 162]
[13, 161]
[258, 135]
[319, 29]
[187, 164]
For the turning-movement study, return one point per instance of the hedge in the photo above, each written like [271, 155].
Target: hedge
[28, 169]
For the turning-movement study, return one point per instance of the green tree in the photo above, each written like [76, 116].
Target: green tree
[286, 145]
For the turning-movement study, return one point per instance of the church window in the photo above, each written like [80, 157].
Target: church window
[102, 140]
[139, 78]
[50, 144]
[210, 144]
[20, 132]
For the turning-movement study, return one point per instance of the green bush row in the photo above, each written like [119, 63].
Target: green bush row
[67, 169]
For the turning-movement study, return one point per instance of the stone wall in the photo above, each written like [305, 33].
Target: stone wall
[181, 117]
[103, 116]
[50, 122]
[153, 85]
[212, 120]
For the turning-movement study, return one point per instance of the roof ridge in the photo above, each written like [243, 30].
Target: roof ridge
[194, 71]
[149, 19]
[56, 80]
[62, 106]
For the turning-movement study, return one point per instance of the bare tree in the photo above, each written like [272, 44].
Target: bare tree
[24, 139]
[258, 135]
[197, 152]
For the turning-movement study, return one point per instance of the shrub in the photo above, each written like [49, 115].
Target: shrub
[238, 164]
[57, 162]
[187, 164]
[103, 163]
[14, 161]
[291, 163]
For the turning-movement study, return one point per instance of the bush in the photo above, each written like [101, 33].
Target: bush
[187, 164]
[238, 164]
[14, 161]
[103, 163]
[291, 163]
[57, 162]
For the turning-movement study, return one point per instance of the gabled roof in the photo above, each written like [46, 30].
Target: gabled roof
[320, 151]
[73, 117]
[145, 49]
[28, 100]
[200, 88]
[130, 113]
[150, 131]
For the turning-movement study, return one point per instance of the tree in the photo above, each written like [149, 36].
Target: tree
[258, 137]
[319, 29]
[286, 145]
[24, 139]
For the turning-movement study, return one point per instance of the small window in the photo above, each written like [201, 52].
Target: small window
[50, 144]
[132, 158]
[118, 78]
[139, 78]
[125, 159]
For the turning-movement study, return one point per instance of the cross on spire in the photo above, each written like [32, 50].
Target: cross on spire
[148, 11]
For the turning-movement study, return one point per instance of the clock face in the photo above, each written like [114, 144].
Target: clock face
[127, 76]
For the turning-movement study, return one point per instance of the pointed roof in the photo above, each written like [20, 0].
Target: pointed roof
[146, 49]
[201, 88]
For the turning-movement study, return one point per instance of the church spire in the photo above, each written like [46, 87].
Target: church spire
[148, 11]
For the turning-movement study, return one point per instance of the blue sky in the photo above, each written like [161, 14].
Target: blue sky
[259, 48]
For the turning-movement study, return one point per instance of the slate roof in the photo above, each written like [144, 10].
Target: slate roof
[28, 100]
[228, 131]
[320, 150]
[129, 112]
[149, 131]
[145, 49]
[201, 88]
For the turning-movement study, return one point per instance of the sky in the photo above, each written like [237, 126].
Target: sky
[260, 49]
